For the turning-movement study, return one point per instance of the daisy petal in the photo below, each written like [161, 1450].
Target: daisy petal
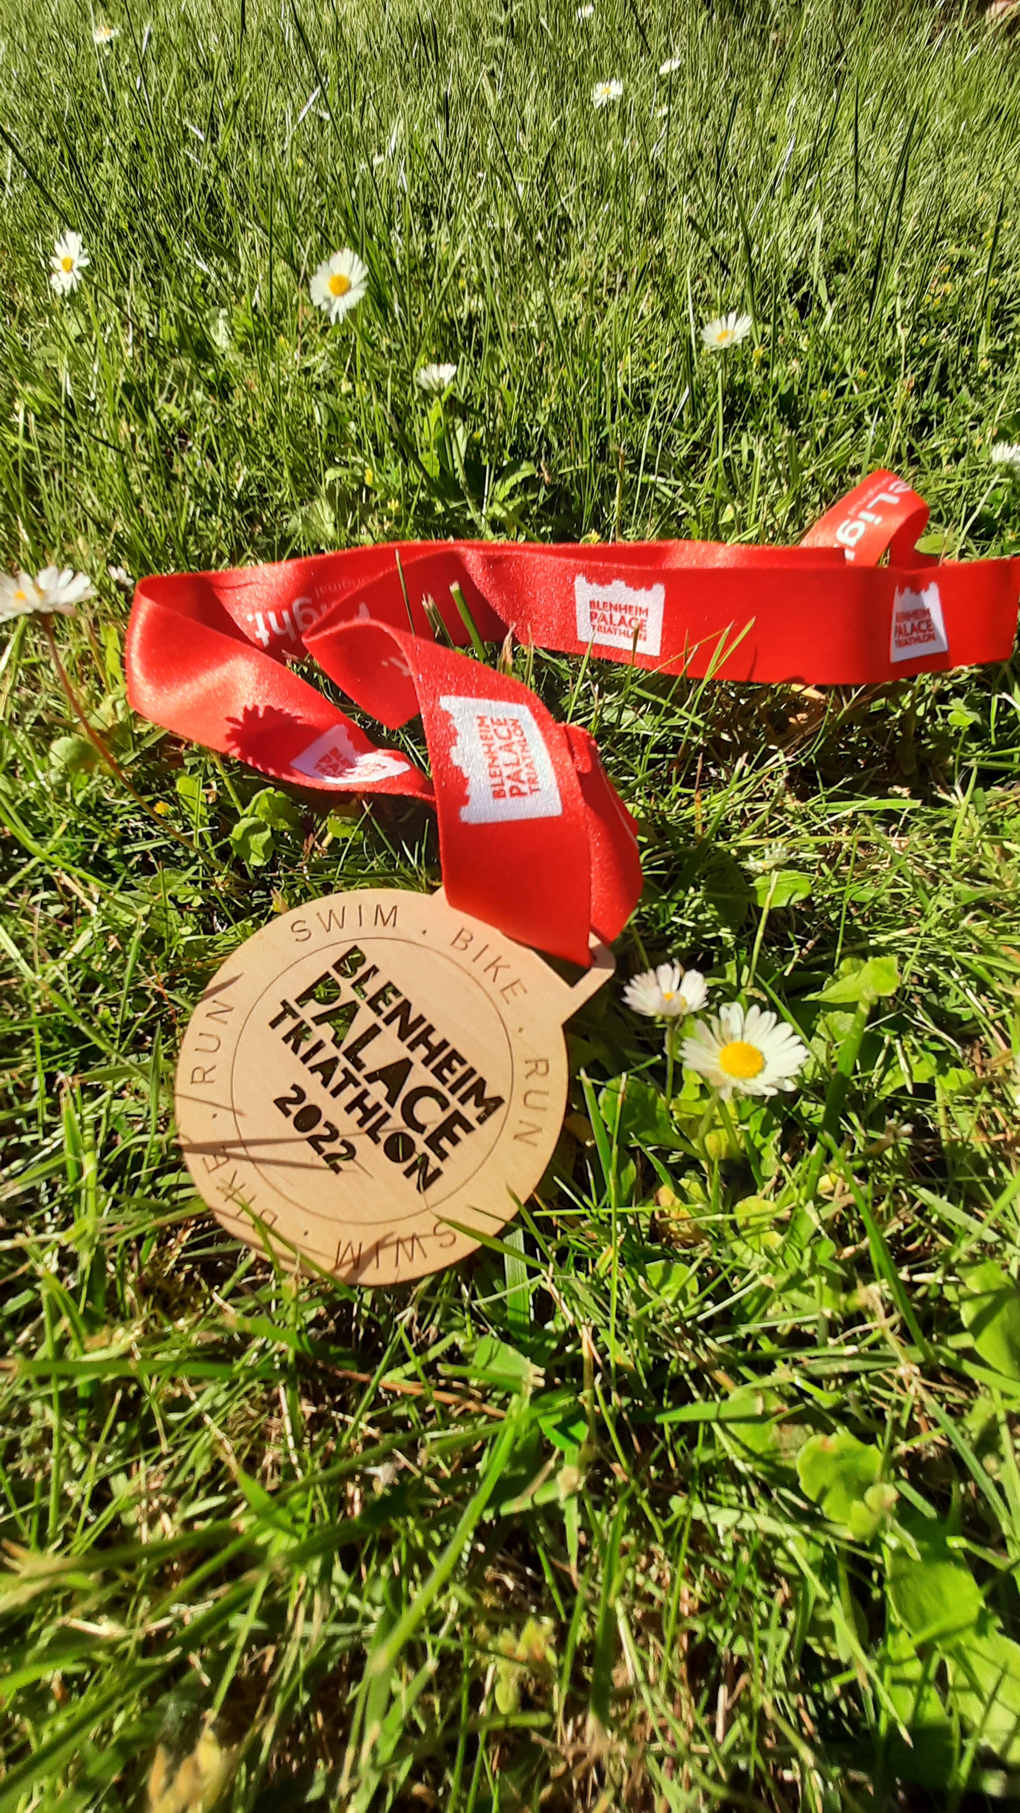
[750, 1052]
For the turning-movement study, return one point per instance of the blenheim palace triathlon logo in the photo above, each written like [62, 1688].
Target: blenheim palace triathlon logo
[388, 1074]
[918, 626]
[613, 614]
[502, 754]
[370, 1078]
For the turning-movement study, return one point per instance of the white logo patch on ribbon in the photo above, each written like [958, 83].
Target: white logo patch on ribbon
[918, 627]
[608, 613]
[333, 759]
[502, 754]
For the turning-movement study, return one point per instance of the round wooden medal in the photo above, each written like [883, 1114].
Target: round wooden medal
[373, 1080]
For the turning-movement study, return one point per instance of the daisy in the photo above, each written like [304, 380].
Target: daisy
[603, 92]
[586, 12]
[726, 330]
[436, 377]
[661, 992]
[747, 1051]
[68, 262]
[54, 589]
[61, 588]
[103, 35]
[1006, 453]
[339, 284]
[670, 67]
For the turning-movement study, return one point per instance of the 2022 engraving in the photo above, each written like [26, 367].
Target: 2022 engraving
[308, 1118]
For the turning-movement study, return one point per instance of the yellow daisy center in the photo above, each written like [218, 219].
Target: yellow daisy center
[21, 595]
[67, 264]
[725, 335]
[339, 284]
[741, 1060]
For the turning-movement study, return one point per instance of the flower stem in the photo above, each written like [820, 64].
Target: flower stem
[731, 1124]
[99, 745]
[670, 1057]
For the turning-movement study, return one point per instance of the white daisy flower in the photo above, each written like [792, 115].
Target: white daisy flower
[747, 1051]
[103, 35]
[121, 577]
[726, 330]
[662, 992]
[670, 67]
[436, 377]
[604, 92]
[774, 856]
[54, 589]
[61, 588]
[339, 284]
[586, 12]
[68, 262]
[1006, 453]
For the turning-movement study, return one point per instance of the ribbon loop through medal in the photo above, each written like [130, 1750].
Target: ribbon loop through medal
[532, 835]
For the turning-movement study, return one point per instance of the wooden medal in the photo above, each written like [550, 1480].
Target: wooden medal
[369, 1076]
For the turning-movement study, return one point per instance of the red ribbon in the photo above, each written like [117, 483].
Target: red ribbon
[533, 838]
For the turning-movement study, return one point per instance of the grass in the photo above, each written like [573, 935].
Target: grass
[701, 1487]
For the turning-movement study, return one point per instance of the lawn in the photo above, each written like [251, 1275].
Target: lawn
[700, 1486]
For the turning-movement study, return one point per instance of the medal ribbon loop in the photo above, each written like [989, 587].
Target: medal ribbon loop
[533, 837]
